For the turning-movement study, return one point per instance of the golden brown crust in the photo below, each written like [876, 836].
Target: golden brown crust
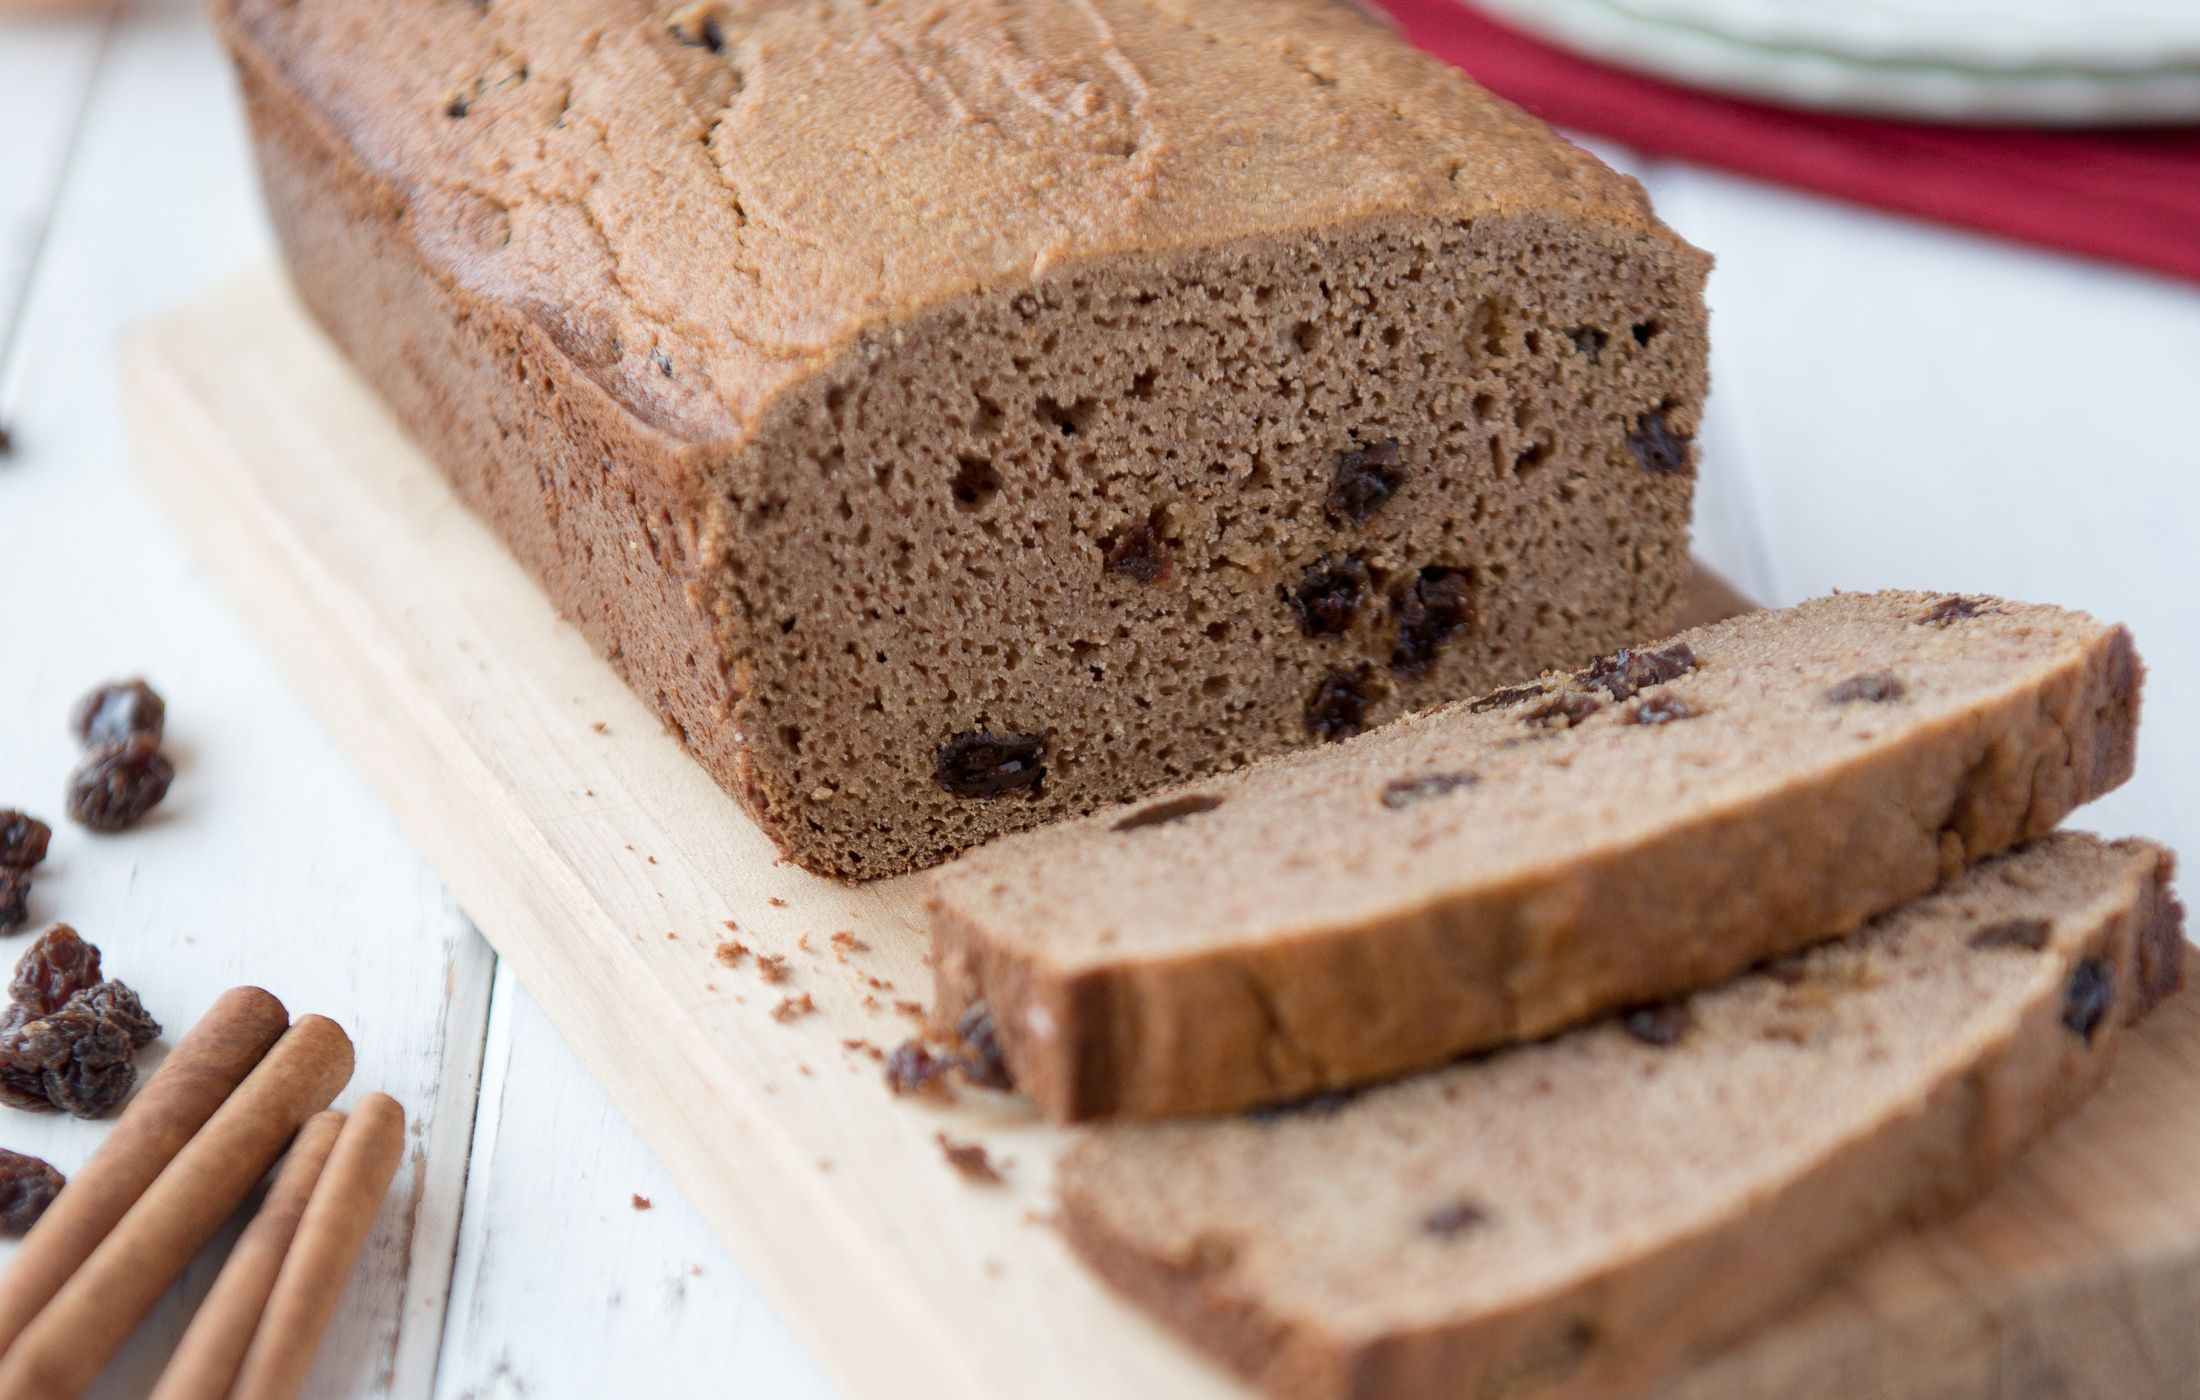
[1165, 1214]
[1221, 1003]
[845, 438]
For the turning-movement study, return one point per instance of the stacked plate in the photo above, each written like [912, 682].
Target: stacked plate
[2042, 62]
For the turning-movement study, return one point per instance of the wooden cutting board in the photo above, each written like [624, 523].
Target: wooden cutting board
[608, 869]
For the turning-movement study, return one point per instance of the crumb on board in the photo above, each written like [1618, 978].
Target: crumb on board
[793, 1007]
[878, 984]
[914, 1010]
[776, 902]
[730, 952]
[674, 937]
[732, 927]
[970, 1161]
[846, 941]
[771, 967]
[642, 1202]
[869, 1002]
[803, 943]
[600, 727]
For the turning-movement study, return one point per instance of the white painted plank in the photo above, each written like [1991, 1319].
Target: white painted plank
[1916, 406]
[564, 1286]
[47, 60]
[270, 862]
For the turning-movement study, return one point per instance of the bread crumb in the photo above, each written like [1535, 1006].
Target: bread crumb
[914, 1010]
[642, 1202]
[792, 1007]
[729, 953]
[732, 927]
[601, 728]
[803, 943]
[771, 967]
[970, 1161]
[777, 903]
[847, 942]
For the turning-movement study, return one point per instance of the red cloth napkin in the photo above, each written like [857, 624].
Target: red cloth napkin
[2128, 196]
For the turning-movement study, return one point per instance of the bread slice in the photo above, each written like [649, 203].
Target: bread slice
[955, 417]
[1500, 869]
[1570, 1219]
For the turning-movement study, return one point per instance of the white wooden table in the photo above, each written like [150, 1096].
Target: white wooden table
[1895, 404]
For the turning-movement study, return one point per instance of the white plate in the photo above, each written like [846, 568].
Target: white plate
[2054, 62]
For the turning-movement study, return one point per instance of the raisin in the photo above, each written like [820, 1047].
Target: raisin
[1955, 608]
[27, 1186]
[1404, 792]
[115, 786]
[23, 840]
[705, 30]
[1562, 711]
[1661, 709]
[1453, 1218]
[912, 1069]
[1338, 707]
[116, 1004]
[1328, 595]
[988, 765]
[1367, 477]
[1657, 448]
[981, 1061]
[52, 970]
[1504, 699]
[2087, 997]
[2022, 935]
[1872, 687]
[73, 1060]
[1664, 1025]
[1589, 341]
[1175, 809]
[117, 711]
[1625, 672]
[1140, 553]
[15, 898]
[1438, 607]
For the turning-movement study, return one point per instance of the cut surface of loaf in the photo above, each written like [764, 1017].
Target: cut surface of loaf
[1504, 867]
[1572, 1218]
[955, 417]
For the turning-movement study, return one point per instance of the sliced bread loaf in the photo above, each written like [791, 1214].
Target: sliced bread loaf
[1502, 868]
[1571, 1218]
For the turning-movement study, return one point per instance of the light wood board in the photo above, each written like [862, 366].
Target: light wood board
[603, 864]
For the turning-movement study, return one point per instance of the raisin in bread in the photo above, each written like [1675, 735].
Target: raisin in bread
[956, 417]
[1503, 867]
[1571, 1218]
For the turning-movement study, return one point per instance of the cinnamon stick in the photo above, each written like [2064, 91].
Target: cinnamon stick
[203, 1069]
[64, 1347]
[205, 1362]
[335, 1227]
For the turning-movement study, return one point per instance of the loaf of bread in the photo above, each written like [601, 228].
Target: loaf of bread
[1501, 868]
[952, 417]
[1567, 1220]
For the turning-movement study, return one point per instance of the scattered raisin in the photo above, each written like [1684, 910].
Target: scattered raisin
[27, 1186]
[1327, 596]
[2017, 935]
[981, 1061]
[1367, 477]
[1662, 1025]
[661, 362]
[1562, 711]
[1174, 810]
[55, 968]
[970, 1161]
[1453, 1218]
[1657, 448]
[1872, 687]
[1140, 553]
[1504, 699]
[986, 765]
[913, 1069]
[1404, 792]
[23, 840]
[1626, 672]
[71, 1060]
[1437, 607]
[116, 1004]
[2087, 998]
[1338, 707]
[1589, 341]
[15, 898]
[118, 711]
[115, 786]
[1660, 709]
[1955, 608]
